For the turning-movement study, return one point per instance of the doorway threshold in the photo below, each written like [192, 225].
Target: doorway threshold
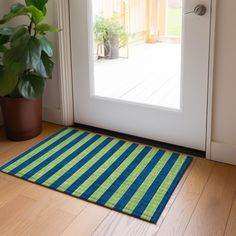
[145, 141]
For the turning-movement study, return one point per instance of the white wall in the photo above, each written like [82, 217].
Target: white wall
[224, 106]
[51, 99]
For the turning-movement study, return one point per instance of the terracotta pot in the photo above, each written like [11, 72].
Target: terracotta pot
[22, 117]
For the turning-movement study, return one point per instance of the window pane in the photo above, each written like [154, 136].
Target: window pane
[137, 51]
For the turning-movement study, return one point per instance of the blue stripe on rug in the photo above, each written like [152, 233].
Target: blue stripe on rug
[138, 181]
[91, 170]
[31, 149]
[119, 181]
[140, 208]
[53, 157]
[108, 172]
[67, 160]
[45, 150]
[80, 164]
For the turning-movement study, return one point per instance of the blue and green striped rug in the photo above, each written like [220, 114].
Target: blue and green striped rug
[134, 179]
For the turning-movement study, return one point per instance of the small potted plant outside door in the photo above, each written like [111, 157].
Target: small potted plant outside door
[111, 34]
[25, 65]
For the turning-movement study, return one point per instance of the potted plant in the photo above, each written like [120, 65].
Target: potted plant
[25, 65]
[110, 33]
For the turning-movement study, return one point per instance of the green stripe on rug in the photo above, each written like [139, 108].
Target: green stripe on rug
[35, 151]
[101, 169]
[156, 200]
[112, 177]
[48, 154]
[90, 163]
[123, 188]
[67, 167]
[132, 204]
[61, 157]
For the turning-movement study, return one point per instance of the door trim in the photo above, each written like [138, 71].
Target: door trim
[65, 63]
[211, 81]
[66, 78]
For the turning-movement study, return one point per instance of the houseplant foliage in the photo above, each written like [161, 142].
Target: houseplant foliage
[110, 33]
[25, 65]
[25, 52]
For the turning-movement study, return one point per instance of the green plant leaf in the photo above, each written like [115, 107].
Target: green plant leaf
[2, 48]
[4, 39]
[46, 46]
[16, 7]
[20, 37]
[106, 28]
[8, 82]
[23, 57]
[7, 31]
[37, 14]
[45, 67]
[43, 28]
[20, 10]
[16, 10]
[12, 60]
[48, 64]
[40, 4]
[44, 11]
[31, 86]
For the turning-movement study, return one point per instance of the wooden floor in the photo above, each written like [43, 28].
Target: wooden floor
[204, 203]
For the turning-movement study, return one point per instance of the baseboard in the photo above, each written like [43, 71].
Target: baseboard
[223, 152]
[52, 115]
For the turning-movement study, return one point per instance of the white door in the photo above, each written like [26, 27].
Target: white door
[156, 90]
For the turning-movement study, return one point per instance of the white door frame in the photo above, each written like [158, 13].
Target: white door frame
[66, 80]
[211, 81]
[65, 63]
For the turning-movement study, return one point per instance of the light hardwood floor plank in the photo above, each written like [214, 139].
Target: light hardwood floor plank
[5, 145]
[87, 221]
[231, 225]
[54, 199]
[117, 224]
[187, 199]
[39, 221]
[11, 213]
[10, 190]
[213, 209]
[43, 219]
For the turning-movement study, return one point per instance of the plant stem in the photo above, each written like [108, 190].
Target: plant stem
[30, 26]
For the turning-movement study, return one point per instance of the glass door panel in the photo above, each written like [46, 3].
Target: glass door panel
[137, 51]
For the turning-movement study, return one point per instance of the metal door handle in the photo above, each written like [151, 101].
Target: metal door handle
[199, 10]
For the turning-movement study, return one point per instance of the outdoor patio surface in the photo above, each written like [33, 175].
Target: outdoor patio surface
[150, 75]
